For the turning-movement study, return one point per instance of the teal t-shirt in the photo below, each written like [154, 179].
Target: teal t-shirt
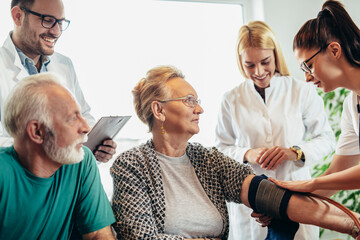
[48, 208]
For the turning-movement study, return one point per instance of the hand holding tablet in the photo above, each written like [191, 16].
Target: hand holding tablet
[105, 128]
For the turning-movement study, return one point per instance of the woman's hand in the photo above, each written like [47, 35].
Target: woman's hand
[261, 218]
[253, 155]
[274, 156]
[297, 186]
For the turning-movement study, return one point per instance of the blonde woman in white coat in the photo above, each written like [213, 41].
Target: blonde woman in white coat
[273, 122]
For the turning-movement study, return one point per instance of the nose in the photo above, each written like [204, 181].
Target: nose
[84, 126]
[308, 77]
[56, 30]
[259, 70]
[198, 109]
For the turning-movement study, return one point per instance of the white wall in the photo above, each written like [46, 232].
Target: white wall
[285, 18]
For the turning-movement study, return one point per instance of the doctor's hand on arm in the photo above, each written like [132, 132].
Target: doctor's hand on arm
[105, 151]
[341, 175]
[296, 186]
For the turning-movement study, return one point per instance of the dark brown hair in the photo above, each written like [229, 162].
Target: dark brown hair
[22, 3]
[333, 23]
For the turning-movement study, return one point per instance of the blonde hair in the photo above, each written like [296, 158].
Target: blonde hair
[258, 34]
[152, 88]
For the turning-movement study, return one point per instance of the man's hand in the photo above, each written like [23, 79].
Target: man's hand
[274, 156]
[105, 151]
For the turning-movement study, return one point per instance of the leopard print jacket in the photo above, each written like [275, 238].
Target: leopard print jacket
[139, 199]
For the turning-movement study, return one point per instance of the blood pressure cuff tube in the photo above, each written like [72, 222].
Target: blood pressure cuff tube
[267, 198]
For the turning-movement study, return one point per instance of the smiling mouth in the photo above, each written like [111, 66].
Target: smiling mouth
[261, 77]
[48, 39]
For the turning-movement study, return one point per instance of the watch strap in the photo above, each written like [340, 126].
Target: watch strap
[298, 151]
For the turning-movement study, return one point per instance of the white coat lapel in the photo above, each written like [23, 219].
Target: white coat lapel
[17, 70]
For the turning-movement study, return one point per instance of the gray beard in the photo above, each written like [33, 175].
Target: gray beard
[63, 155]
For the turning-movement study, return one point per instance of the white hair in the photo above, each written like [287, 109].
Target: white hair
[28, 101]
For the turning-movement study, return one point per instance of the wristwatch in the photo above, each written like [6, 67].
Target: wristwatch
[299, 152]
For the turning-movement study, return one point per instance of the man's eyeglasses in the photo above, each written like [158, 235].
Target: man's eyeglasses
[188, 100]
[48, 21]
[305, 67]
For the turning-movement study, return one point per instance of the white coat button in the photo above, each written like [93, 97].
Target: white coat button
[268, 139]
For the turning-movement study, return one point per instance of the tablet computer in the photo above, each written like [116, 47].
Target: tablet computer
[105, 128]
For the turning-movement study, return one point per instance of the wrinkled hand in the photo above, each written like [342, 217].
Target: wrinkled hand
[263, 220]
[297, 186]
[105, 151]
[274, 156]
[253, 155]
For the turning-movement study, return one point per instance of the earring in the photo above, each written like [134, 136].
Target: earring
[162, 128]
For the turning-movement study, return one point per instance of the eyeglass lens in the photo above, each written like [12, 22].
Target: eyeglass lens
[305, 68]
[50, 22]
[191, 101]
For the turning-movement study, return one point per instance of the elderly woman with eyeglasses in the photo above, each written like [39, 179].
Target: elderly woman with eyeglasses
[169, 188]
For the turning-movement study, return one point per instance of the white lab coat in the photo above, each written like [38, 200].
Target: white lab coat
[348, 143]
[292, 115]
[12, 71]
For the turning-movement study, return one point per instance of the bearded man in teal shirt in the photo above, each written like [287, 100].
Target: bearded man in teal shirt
[49, 182]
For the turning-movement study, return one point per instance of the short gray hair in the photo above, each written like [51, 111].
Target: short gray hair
[28, 101]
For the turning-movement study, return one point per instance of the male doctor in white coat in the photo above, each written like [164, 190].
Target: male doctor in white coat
[29, 49]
